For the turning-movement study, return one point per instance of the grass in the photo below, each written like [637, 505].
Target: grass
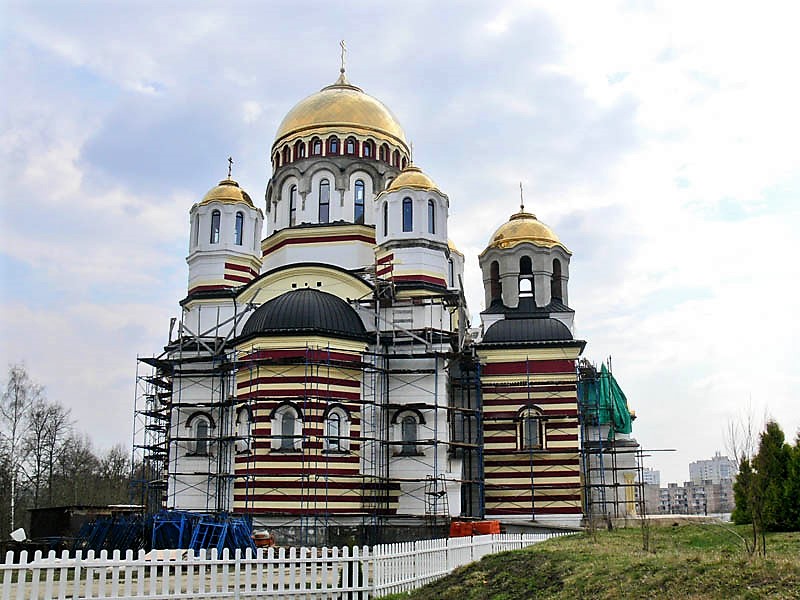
[684, 561]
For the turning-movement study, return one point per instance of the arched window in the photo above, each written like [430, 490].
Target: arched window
[299, 149]
[333, 146]
[293, 206]
[350, 146]
[316, 147]
[239, 229]
[277, 160]
[404, 164]
[333, 431]
[408, 214]
[396, 158]
[408, 432]
[495, 291]
[431, 217]
[525, 276]
[384, 153]
[201, 437]
[530, 432]
[287, 428]
[287, 155]
[358, 212]
[555, 282]
[451, 275]
[196, 230]
[368, 149]
[324, 201]
[385, 218]
[215, 216]
[242, 432]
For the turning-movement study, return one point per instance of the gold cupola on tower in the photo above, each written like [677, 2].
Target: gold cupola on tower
[524, 227]
[338, 108]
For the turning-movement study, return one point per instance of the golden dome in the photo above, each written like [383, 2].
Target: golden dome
[227, 192]
[412, 177]
[341, 106]
[453, 248]
[524, 227]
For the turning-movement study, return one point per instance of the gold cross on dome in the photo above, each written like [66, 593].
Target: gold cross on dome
[521, 199]
[344, 51]
[230, 166]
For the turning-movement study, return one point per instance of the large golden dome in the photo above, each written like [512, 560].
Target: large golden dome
[524, 227]
[227, 192]
[341, 106]
[412, 177]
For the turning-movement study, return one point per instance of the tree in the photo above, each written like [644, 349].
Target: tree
[792, 488]
[19, 396]
[49, 425]
[771, 466]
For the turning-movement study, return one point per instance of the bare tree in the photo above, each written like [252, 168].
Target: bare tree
[19, 396]
[49, 426]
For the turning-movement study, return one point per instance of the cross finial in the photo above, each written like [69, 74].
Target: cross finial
[344, 51]
[230, 166]
[521, 199]
[412, 153]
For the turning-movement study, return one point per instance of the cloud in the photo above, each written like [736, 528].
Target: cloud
[657, 145]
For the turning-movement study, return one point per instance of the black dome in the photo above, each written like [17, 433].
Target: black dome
[527, 330]
[306, 311]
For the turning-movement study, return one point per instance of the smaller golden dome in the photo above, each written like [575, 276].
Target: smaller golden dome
[412, 177]
[524, 227]
[227, 192]
[453, 248]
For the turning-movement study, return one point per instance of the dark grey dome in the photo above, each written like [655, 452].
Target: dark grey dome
[526, 330]
[306, 311]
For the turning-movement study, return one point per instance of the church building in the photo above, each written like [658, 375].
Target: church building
[323, 372]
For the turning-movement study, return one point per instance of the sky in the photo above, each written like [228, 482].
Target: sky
[658, 139]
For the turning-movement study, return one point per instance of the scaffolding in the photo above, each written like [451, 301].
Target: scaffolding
[612, 468]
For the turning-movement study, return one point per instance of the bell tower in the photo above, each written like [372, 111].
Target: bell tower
[224, 240]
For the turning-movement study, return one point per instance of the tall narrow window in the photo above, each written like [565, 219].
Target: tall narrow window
[404, 164]
[287, 155]
[495, 291]
[215, 227]
[384, 153]
[385, 219]
[287, 430]
[555, 282]
[196, 230]
[367, 150]
[316, 147]
[333, 146]
[408, 432]
[396, 158]
[350, 146]
[358, 213]
[525, 276]
[334, 431]
[408, 215]
[324, 201]
[201, 437]
[293, 206]
[300, 149]
[451, 275]
[530, 434]
[277, 160]
[239, 229]
[431, 217]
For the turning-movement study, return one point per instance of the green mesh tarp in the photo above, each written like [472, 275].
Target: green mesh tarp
[604, 398]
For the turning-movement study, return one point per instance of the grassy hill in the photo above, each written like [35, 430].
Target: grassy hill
[684, 561]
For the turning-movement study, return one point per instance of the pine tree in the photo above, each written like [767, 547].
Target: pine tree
[771, 473]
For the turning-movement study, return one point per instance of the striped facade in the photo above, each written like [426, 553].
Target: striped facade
[530, 481]
[311, 478]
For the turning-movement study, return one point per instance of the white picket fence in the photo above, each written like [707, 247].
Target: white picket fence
[307, 573]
